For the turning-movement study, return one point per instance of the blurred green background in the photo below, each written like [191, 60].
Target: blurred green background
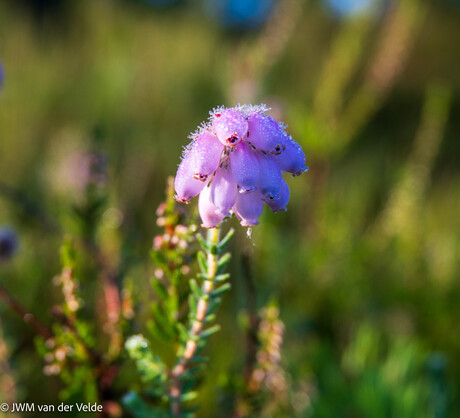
[365, 263]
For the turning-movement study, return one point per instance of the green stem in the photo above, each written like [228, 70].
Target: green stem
[196, 328]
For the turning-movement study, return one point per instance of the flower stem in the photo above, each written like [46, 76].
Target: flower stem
[28, 318]
[197, 321]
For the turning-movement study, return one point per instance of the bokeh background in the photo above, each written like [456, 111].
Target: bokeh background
[364, 266]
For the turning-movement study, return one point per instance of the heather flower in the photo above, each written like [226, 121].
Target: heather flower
[245, 167]
[279, 205]
[235, 163]
[269, 177]
[230, 126]
[210, 215]
[224, 189]
[248, 208]
[186, 184]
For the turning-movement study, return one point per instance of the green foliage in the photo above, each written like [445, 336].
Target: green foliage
[387, 377]
[170, 389]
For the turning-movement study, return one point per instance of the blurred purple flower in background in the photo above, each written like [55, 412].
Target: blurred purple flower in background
[240, 14]
[235, 162]
[8, 242]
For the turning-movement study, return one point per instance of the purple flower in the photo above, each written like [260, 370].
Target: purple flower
[186, 184]
[248, 208]
[265, 133]
[210, 215]
[235, 162]
[270, 177]
[292, 158]
[205, 155]
[230, 126]
[224, 189]
[279, 205]
[245, 167]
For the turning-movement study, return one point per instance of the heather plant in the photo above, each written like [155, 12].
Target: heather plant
[345, 306]
[234, 163]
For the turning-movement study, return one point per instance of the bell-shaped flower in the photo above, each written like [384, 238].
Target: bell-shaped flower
[209, 214]
[230, 126]
[186, 185]
[270, 177]
[280, 204]
[245, 167]
[248, 208]
[265, 133]
[224, 189]
[205, 155]
[292, 157]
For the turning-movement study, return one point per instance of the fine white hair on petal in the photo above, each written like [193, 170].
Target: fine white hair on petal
[245, 110]
[205, 126]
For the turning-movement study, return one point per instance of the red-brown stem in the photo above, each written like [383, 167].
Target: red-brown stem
[28, 318]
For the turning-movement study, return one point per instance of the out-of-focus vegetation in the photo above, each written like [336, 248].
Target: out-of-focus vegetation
[364, 266]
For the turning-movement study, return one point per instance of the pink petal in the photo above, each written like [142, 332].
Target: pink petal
[209, 214]
[223, 189]
[265, 133]
[185, 184]
[292, 158]
[206, 152]
[245, 167]
[230, 127]
[270, 178]
[248, 208]
[280, 203]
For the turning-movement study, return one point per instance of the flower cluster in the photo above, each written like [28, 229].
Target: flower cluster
[234, 163]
